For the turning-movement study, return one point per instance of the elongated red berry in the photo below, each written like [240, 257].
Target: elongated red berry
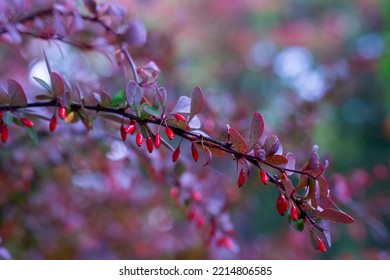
[26, 122]
[194, 151]
[62, 112]
[263, 177]
[139, 139]
[241, 178]
[294, 212]
[176, 154]
[169, 133]
[130, 128]
[321, 245]
[157, 141]
[4, 134]
[149, 144]
[123, 133]
[179, 117]
[53, 123]
[281, 205]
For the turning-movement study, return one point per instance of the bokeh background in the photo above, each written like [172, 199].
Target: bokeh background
[318, 72]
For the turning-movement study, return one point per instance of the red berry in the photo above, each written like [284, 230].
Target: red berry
[294, 212]
[130, 128]
[4, 134]
[281, 205]
[321, 245]
[176, 154]
[139, 139]
[179, 117]
[123, 133]
[191, 215]
[169, 133]
[241, 178]
[53, 123]
[225, 242]
[174, 192]
[62, 112]
[157, 141]
[194, 151]
[199, 221]
[196, 196]
[149, 144]
[26, 122]
[263, 177]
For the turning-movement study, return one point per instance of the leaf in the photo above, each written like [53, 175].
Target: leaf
[162, 95]
[314, 160]
[43, 84]
[277, 160]
[135, 34]
[336, 216]
[195, 123]
[33, 134]
[43, 97]
[237, 141]
[291, 163]
[3, 96]
[7, 117]
[183, 105]
[102, 98]
[256, 130]
[179, 124]
[151, 110]
[197, 101]
[16, 94]
[207, 151]
[323, 190]
[118, 98]
[298, 225]
[271, 145]
[134, 95]
[57, 84]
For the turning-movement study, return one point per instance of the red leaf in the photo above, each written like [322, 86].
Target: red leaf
[57, 84]
[336, 216]
[256, 130]
[323, 187]
[17, 97]
[197, 101]
[271, 145]
[276, 160]
[238, 141]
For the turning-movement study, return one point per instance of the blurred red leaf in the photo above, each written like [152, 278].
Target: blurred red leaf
[238, 141]
[17, 97]
[256, 130]
[197, 101]
[336, 216]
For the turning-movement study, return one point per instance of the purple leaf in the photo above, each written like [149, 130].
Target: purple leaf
[336, 216]
[183, 105]
[238, 141]
[197, 101]
[291, 163]
[135, 34]
[17, 97]
[133, 95]
[57, 84]
[3, 96]
[256, 130]
[271, 145]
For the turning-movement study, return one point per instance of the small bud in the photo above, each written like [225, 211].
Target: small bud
[196, 196]
[53, 123]
[294, 212]
[157, 141]
[194, 151]
[62, 112]
[263, 177]
[4, 134]
[321, 245]
[281, 205]
[139, 139]
[179, 117]
[176, 154]
[123, 133]
[169, 133]
[241, 178]
[26, 122]
[149, 144]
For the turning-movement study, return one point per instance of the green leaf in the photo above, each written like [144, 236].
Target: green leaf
[7, 117]
[43, 84]
[151, 110]
[44, 97]
[197, 101]
[298, 225]
[33, 134]
[256, 130]
[57, 84]
[336, 216]
[118, 98]
[16, 94]
[237, 141]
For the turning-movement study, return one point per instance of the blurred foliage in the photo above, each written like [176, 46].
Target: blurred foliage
[318, 72]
